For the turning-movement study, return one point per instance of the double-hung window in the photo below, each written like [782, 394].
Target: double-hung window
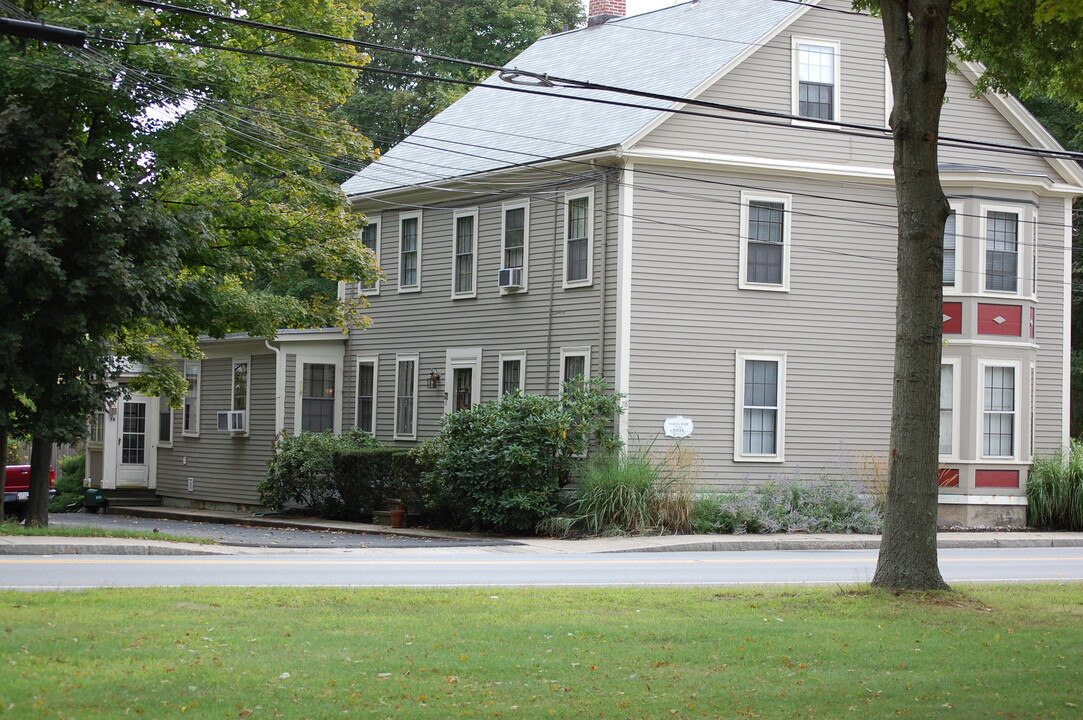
[405, 397]
[947, 408]
[515, 249]
[465, 256]
[240, 403]
[165, 422]
[1001, 251]
[190, 413]
[765, 242]
[574, 363]
[366, 395]
[950, 250]
[512, 372]
[760, 410]
[578, 238]
[816, 79]
[318, 397]
[370, 238]
[999, 411]
[410, 252]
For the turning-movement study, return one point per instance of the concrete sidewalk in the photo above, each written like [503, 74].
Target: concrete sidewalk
[26, 545]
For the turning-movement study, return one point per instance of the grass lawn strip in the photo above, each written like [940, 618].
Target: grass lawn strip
[14, 528]
[1012, 651]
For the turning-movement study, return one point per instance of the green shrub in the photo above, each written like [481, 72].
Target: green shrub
[69, 484]
[1055, 490]
[789, 505]
[502, 463]
[301, 471]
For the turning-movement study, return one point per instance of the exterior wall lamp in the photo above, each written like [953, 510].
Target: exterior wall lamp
[434, 379]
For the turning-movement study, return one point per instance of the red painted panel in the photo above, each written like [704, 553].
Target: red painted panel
[1000, 320]
[949, 477]
[953, 318]
[996, 478]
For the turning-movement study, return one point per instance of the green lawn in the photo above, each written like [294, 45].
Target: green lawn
[1012, 651]
[11, 527]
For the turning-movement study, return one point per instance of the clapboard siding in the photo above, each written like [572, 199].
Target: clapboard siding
[225, 467]
[539, 321]
[836, 325]
[1054, 256]
[764, 80]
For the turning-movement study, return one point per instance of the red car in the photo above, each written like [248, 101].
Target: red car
[17, 489]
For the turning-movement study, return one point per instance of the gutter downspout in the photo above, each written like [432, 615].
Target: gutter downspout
[280, 388]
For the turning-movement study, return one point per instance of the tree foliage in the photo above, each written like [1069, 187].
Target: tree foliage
[154, 188]
[387, 108]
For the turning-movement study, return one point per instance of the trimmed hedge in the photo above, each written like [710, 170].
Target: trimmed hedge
[366, 478]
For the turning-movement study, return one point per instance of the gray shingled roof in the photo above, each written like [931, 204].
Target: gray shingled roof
[673, 51]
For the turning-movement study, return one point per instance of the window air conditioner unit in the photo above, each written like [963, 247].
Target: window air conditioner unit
[231, 421]
[511, 277]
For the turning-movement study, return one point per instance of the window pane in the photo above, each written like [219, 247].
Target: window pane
[240, 386]
[408, 259]
[947, 395]
[1001, 251]
[760, 407]
[134, 433]
[404, 399]
[816, 81]
[949, 251]
[512, 370]
[577, 250]
[317, 397]
[998, 437]
[514, 237]
[463, 381]
[366, 389]
[464, 254]
[574, 366]
[368, 239]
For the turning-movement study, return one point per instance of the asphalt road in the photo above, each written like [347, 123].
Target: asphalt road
[247, 536]
[450, 567]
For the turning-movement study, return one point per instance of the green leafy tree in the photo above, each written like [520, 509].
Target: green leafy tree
[154, 188]
[1043, 38]
[387, 108]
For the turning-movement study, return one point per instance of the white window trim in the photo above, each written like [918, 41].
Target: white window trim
[961, 226]
[363, 359]
[473, 291]
[373, 222]
[1018, 431]
[956, 408]
[503, 357]
[402, 218]
[785, 200]
[525, 206]
[299, 397]
[742, 356]
[462, 358]
[247, 359]
[576, 351]
[1023, 250]
[589, 279]
[399, 359]
[795, 92]
[198, 367]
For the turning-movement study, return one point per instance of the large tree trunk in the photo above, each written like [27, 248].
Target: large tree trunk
[916, 40]
[37, 507]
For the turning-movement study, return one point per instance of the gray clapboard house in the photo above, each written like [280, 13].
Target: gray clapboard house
[732, 273]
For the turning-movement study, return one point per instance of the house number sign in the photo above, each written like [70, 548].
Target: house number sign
[677, 427]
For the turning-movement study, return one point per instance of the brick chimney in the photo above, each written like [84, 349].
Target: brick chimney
[600, 11]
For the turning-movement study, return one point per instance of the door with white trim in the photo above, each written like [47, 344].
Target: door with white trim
[138, 421]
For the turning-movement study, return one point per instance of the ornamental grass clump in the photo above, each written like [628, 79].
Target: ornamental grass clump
[1055, 490]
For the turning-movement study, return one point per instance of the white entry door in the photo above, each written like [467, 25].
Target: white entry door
[135, 445]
